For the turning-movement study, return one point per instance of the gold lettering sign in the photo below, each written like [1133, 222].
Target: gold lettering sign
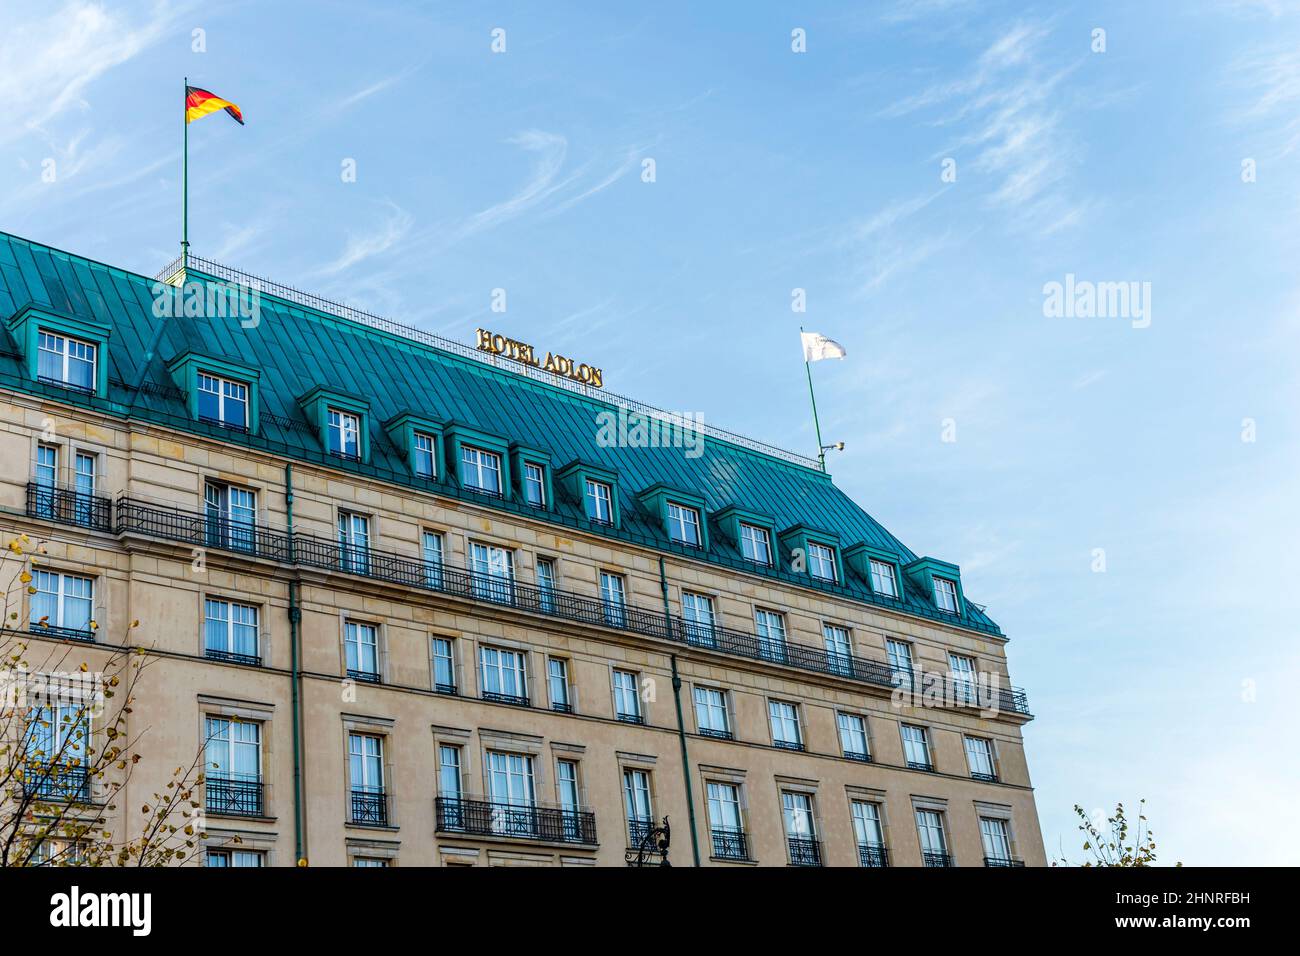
[554, 363]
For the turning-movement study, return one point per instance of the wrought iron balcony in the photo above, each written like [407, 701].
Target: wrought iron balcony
[234, 796]
[478, 816]
[1002, 861]
[369, 807]
[631, 718]
[858, 755]
[788, 744]
[369, 677]
[71, 633]
[638, 828]
[69, 506]
[561, 707]
[57, 782]
[920, 765]
[210, 530]
[986, 777]
[221, 654]
[716, 734]
[730, 843]
[448, 689]
[804, 852]
[516, 700]
[872, 855]
[930, 858]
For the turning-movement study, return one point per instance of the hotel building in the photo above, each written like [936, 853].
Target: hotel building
[417, 612]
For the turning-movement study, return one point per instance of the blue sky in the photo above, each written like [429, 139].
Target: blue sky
[1167, 676]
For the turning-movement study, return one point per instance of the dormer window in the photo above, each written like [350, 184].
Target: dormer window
[344, 433]
[534, 484]
[63, 360]
[480, 470]
[821, 562]
[883, 581]
[424, 456]
[222, 401]
[945, 595]
[683, 524]
[756, 544]
[600, 502]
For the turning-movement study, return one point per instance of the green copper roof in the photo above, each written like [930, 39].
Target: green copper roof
[297, 348]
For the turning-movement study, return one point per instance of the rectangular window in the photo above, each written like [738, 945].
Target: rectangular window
[683, 525]
[711, 714]
[566, 783]
[493, 571]
[66, 361]
[546, 585]
[839, 649]
[821, 562]
[222, 401]
[962, 672]
[636, 800]
[361, 648]
[230, 631]
[236, 858]
[697, 611]
[444, 666]
[47, 481]
[234, 767]
[979, 757]
[611, 595]
[934, 842]
[431, 552]
[785, 725]
[853, 736]
[58, 736]
[883, 581]
[366, 769]
[725, 824]
[800, 829]
[354, 542]
[916, 747]
[599, 498]
[344, 433]
[869, 834]
[756, 545]
[997, 841]
[480, 470]
[450, 781]
[502, 675]
[231, 516]
[771, 635]
[424, 456]
[900, 662]
[945, 595]
[63, 603]
[627, 699]
[511, 790]
[534, 485]
[85, 476]
[557, 683]
[368, 861]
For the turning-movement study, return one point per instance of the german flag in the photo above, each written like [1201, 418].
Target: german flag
[200, 103]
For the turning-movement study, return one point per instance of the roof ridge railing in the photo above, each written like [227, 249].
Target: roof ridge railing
[370, 320]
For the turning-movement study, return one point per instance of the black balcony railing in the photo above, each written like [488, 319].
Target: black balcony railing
[858, 755]
[1002, 861]
[718, 734]
[71, 633]
[638, 828]
[369, 677]
[561, 707]
[804, 852]
[233, 796]
[211, 530]
[516, 700]
[221, 654]
[987, 777]
[57, 782]
[477, 816]
[730, 843]
[448, 689]
[920, 765]
[788, 744]
[872, 855]
[369, 808]
[930, 858]
[631, 718]
[69, 506]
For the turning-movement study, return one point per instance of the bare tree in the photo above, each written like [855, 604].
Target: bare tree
[68, 750]
[1116, 842]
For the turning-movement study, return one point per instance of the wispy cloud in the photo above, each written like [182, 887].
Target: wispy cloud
[376, 242]
[1270, 78]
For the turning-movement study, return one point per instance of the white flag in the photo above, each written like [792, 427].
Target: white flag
[817, 347]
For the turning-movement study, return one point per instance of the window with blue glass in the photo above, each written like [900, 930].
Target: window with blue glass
[599, 498]
[534, 481]
[230, 631]
[821, 562]
[480, 469]
[361, 647]
[444, 665]
[756, 544]
[683, 524]
[424, 456]
[222, 401]
[344, 433]
[62, 602]
[63, 360]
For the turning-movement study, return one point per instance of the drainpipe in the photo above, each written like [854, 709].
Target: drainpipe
[295, 619]
[681, 726]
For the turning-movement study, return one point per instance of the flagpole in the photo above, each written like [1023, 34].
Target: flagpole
[185, 179]
[821, 452]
